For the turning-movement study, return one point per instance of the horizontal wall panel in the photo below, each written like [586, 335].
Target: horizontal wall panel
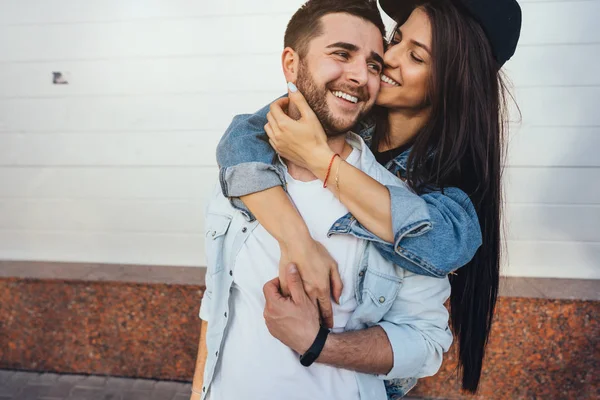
[87, 215]
[127, 113]
[187, 148]
[523, 222]
[559, 106]
[114, 247]
[74, 11]
[108, 183]
[202, 74]
[554, 65]
[552, 185]
[555, 146]
[144, 38]
[566, 223]
[546, 22]
[553, 259]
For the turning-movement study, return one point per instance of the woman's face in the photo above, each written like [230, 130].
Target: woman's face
[408, 66]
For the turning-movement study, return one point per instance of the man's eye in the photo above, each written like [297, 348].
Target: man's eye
[343, 54]
[375, 67]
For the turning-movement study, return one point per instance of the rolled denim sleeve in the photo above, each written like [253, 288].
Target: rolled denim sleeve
[417, 327]
[434, 233]
[247, 160]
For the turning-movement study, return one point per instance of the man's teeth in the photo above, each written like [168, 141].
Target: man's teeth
[345, 96]
[389, 80]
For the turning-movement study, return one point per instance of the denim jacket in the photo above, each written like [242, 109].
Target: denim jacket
[409, 307]
[434, 233]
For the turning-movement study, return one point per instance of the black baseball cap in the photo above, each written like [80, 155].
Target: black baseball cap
[500, 20]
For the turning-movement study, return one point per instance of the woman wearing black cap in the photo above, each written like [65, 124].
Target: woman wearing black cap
[438, 124]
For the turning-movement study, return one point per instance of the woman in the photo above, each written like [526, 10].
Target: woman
[439, 125]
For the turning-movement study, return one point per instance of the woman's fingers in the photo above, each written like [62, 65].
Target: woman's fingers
[273, 146]
[273, 122]
[277, 113]
[299, 101]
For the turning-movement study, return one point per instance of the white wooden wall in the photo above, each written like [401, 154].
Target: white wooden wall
[116, 166]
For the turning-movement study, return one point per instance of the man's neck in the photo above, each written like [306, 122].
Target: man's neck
[403, 127]
[337, 144]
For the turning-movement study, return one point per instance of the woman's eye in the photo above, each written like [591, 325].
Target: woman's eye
[416, 58]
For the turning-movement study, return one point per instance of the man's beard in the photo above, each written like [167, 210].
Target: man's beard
[316, 97]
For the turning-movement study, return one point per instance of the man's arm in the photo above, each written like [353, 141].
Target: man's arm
[200, 362]
[368, 351]
[408, 342]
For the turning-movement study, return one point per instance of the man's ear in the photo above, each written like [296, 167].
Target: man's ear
[290, 62]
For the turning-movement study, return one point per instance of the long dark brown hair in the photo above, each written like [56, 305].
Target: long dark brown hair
[461, 145]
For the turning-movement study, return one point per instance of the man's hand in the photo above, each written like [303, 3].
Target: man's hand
[319, 273]
[293, 320]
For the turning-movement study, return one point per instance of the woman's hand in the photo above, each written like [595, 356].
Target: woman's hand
[303, 142]
[319, 273]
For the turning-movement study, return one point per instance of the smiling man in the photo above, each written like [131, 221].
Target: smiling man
[333, 52]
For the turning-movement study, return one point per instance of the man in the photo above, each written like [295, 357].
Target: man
[389, 323]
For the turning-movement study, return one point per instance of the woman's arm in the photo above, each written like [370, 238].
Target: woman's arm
[276, 213]
[254, 184]
[307, 146]
[396, 219]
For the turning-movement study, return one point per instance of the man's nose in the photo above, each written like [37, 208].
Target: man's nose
[358, 73]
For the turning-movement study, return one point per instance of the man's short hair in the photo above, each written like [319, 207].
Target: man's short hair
[306, 23]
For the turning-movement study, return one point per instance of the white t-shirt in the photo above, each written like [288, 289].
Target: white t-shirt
[254, 365]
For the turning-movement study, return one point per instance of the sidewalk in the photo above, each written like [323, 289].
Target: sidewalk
[18, 385]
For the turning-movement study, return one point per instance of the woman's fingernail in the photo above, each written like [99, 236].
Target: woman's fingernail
[293, 269]
[292, 87]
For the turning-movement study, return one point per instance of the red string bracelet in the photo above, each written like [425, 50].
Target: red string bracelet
[329, 169]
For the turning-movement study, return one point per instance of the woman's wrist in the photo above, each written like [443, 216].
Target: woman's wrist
[320, 160]
[294, 235]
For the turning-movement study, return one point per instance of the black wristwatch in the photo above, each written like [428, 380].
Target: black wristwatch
[315, 349]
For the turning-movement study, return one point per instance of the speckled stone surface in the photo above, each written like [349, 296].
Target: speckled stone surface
[540, 349]
[77, 322]
[122, 329]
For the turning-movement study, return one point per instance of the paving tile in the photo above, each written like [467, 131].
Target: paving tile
[137, 395]
[158, 394]
[167, 385]
[92, 381]
[5, 375]
[143, 384]
[86, 393]
[34, 391]
[119, 383]
[72, 379]
[15, 383]
[45, 378]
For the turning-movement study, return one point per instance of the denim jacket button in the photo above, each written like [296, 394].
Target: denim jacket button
[225, 314]
[382, 299]
[361, 273]
[244, 229]
[213, 233]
